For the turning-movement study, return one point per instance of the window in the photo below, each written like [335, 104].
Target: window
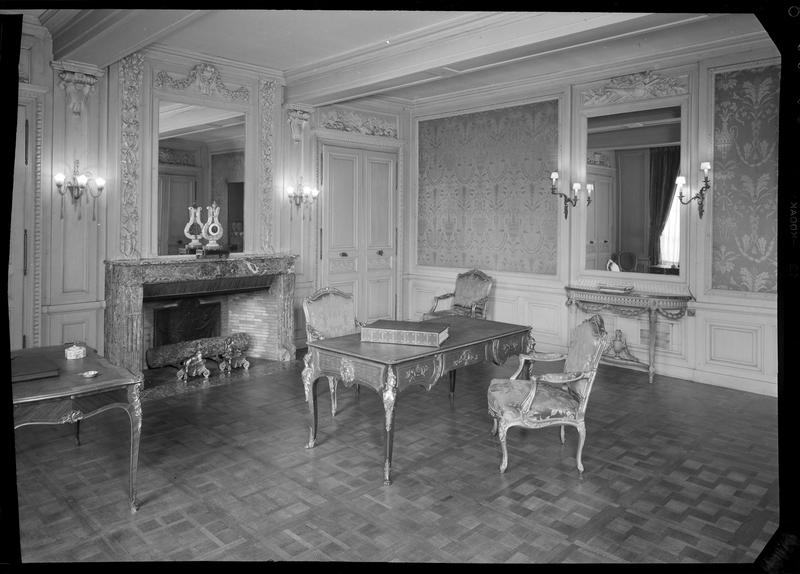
[670, 240]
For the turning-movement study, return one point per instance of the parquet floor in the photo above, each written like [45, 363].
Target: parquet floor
[672, 475]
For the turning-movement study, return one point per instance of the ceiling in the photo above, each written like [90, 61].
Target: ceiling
[330, 56]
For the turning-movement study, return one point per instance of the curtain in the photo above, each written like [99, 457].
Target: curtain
[664, 166]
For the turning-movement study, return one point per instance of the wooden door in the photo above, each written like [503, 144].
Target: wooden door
[600, 228]
[358, 235]
[176, 193]
[18, 248]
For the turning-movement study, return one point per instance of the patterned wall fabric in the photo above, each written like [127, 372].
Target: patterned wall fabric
[744, 181]
[484, 190]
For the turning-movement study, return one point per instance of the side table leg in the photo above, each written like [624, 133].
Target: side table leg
[78, 433]
[135, 414]
[652, 343]
[310, 377]
[389, 395]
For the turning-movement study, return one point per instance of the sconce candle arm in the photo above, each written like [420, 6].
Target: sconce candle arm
[569, 200]
[700, 196]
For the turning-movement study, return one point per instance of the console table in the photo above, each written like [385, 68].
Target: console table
[70, 397]
[388, 368]
[631, 304]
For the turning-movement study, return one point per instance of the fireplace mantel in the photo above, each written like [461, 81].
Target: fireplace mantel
[125, 280]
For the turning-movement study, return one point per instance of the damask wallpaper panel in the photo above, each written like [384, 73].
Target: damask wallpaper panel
[484, 190]
[745, 180]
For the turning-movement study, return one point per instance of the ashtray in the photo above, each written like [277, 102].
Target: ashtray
[89, 374]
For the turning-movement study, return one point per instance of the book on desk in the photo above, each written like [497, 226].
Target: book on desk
[426, 334]
[27, 367]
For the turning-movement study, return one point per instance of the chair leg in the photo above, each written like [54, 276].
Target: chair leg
[332, 385]
[501, 433]
[494, 426]
[78, 433]
[581, 438]
[357, 391]
[562, 434]
[452, 382]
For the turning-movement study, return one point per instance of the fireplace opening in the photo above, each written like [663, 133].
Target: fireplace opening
[185, 319]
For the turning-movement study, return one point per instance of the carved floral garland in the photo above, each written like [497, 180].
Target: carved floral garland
[208, 80]
[131, 87]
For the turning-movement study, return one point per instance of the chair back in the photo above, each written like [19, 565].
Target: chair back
[589, 340]
[471, 286]
[329, 313]
[627, 261]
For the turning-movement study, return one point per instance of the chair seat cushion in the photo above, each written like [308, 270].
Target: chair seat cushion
[550, 402]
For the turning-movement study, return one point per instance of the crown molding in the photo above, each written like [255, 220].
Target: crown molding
[166, 53]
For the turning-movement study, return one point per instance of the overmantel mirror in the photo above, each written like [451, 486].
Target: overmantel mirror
[203, 150]
[632, 144]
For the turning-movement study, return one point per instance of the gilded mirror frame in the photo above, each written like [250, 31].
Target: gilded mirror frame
[627, 93]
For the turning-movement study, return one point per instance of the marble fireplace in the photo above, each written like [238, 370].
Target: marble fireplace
[257, 290]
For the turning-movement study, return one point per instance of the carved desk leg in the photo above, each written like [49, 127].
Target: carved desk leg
[135, 413]
[651, 311]
[310, 389]
[389, 394]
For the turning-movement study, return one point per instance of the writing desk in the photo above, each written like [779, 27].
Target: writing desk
[388, 368]
[70, 397]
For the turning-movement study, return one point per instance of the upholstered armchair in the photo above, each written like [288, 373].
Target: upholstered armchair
[470, 296]
[330, 313]
[552, 398]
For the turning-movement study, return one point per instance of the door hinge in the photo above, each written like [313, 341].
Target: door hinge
[25, 252]
[27, 140]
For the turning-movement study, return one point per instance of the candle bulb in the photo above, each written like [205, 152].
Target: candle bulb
[576, 187]
[705, 166]
[554, 176]
[589, 189]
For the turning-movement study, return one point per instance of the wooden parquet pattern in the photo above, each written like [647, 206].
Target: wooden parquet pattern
[672, 475]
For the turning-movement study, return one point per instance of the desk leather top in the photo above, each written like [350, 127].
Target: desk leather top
[464, 331]
[69, 381]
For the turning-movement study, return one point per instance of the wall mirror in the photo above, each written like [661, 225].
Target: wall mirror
[201, 158]
[634, 221]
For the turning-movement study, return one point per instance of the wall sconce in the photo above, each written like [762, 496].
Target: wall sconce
[576, 188]
[301, 195]
[700, 196]
[77, 185]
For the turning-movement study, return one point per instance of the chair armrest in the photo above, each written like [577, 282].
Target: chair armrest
[523, 358]
[360, 323]
[549, 357]
[561, 378]
[525, 406]
[438, 298]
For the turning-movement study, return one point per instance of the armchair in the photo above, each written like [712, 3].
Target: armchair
[552, 398]
[470, 296]
[329, 313]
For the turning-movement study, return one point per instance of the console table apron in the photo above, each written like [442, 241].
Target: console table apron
[632, 304]
[389, 368]
[71, 397]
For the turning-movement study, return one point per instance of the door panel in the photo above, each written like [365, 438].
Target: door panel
[342, 182]
[359, 235]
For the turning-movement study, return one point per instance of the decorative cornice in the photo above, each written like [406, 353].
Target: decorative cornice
[130, 78]
[174, 156]
[638, 86]
[73, 66]
[359, 122]
[208, 80]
